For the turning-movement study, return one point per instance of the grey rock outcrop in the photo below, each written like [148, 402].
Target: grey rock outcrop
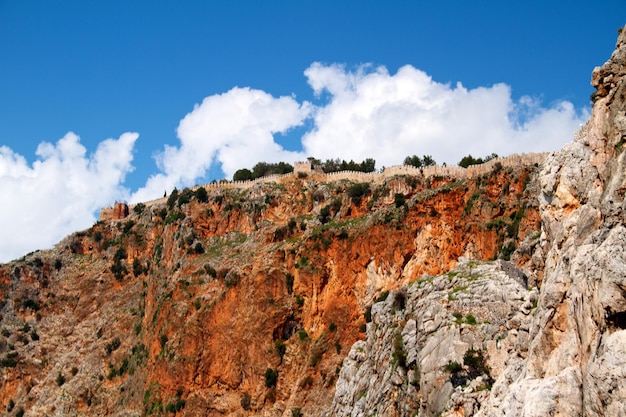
[576, 359]
[433, 347]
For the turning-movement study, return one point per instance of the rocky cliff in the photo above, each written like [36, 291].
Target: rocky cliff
[576, 359]
[240, 302]
[559, 351]
[494, 294]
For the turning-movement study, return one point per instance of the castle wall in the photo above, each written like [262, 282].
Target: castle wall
[356, 176]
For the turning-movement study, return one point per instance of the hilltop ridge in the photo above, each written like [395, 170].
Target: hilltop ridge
[305, 170]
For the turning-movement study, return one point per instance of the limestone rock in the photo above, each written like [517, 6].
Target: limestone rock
[417, 359]
[575, 358]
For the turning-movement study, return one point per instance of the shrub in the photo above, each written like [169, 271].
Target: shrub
[184, 197]
[60, 379]
[198, 249]
[302, 334]
[458, 317]
[475, 362]
[32, 304]
[306, 382]
[453, 367]
[357, 191]
[176, 406]
[231, 279]
[470, 319]
[120, 254]
[302, 262]
[118, 270]
[201, 195]
[324, 216]
[399, 200]
[399, 300]
[316, 356]
[382, 297]
[173, 217]
[58, 264]
[398, 354]
[139, 208]
[280, 348]
[297, 411]
[112, 345]
[246, 401]
[210, 270]
[137, 268]
[163, 340]
[171, 200]
[128, 225]
[368, 314]
[9, 361]
[271, 377]
[289, 278]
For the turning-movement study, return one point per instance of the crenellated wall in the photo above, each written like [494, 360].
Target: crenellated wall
[375, 177]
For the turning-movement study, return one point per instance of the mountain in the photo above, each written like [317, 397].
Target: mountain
[487, 291]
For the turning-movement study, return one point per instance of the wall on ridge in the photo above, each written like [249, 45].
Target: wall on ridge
[375, 177]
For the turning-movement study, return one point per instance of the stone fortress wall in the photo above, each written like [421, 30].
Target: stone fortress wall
[306, 171]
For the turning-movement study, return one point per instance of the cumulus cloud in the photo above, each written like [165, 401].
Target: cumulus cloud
[235, 129]
[60, 192]
[361, 113]
[366, 113]
[371, 113]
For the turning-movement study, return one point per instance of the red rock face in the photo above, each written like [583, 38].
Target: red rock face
[205, 298]
[120, 211]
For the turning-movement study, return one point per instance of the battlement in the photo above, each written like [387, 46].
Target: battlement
[116, 213]
[305, 167]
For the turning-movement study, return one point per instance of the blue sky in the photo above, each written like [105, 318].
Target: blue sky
[158, 94]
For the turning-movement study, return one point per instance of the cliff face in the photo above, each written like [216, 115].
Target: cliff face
[576, 362]
[240, 302]
[559, 351]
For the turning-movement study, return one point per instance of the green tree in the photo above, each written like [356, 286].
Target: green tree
[171, 200]
[242, 175]
[470, 160]
[201, 195]
[368, 165]
[414, 161]
[428, 160]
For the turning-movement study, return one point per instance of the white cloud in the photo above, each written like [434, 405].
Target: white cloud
[371, 113]
[234, 129]
[366, 113]
[60, 192]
